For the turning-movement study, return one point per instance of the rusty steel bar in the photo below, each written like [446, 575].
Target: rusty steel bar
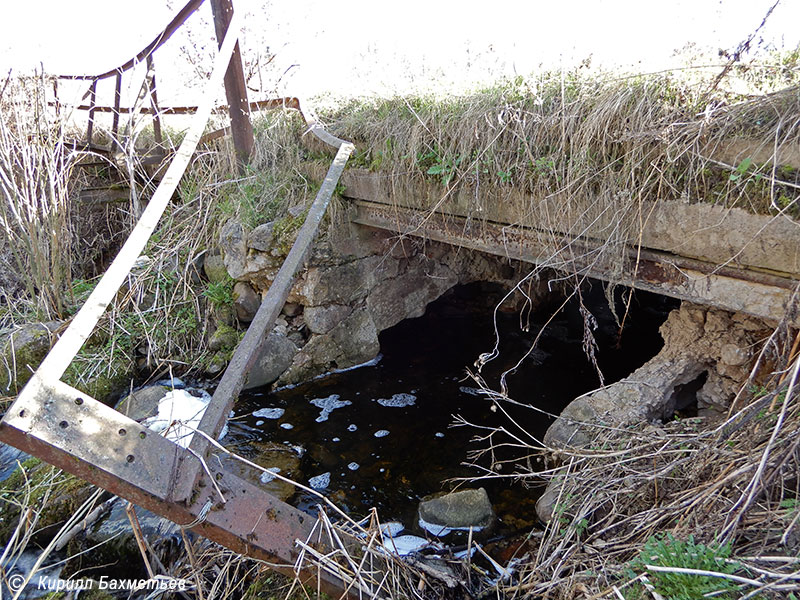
[92, 108]
[249, 349]
[235, 88]
[173, 26]
[151, 73]
[289, 102]
[117, 101]
[80, 435]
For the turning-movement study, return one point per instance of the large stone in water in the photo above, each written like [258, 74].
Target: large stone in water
[142, 403]
[277, 356]
[465, 508]
[273, 457]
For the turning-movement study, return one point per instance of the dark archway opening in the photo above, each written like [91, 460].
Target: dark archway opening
[389, 438]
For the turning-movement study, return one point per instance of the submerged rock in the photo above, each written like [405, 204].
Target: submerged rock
[275, 458]
[458, 510]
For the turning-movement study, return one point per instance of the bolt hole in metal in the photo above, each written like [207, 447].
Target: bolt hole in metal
[63, 424]
[22, 413]
[78, 401]
[130, 458]
[142, 434]
[122, 431]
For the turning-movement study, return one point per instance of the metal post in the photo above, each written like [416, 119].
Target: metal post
[117, 100]
[151, 82]
[92, 99]
[235, 89]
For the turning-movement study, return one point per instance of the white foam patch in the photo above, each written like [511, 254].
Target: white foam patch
[398, 401]
[259, 423]
[408, 544]
[439, 434]
[269, 413]
[320, 482]
[268, 475]
[352, 427]
[353, 466]
[441, 530]
[328, 405]
[287, 426]
[392, 528]
[179, 414]
[381, 433]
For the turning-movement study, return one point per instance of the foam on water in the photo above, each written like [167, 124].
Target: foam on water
[269, 413]
[268, 476]
[381, 433]
[328, 405]
[320, 482]
[398, 401]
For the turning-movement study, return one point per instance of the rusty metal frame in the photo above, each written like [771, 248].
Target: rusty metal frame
[189, 486]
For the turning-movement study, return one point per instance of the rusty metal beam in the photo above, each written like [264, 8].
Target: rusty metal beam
[235, 88]
[151, 84]
[173, 26]
[78, 434]
[251, 346]
[659, 272]
[289, 102]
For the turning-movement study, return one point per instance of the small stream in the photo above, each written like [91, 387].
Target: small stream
[383, 435]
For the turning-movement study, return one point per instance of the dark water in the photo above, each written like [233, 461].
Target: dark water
[424, 360]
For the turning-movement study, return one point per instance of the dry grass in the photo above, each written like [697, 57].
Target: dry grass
[735, 484]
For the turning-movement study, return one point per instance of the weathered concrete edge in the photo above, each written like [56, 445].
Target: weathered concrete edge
[705, 232]
[767, 299]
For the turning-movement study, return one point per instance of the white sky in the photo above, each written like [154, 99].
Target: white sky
[363, 46]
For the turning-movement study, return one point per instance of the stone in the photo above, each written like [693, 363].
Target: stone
[218, 361]
[276, 357]
[224, 338]
[142, 403]
[464, 508]
[214, 268]
[22, 351]
[357, 339]
[246, 301]
[269, 455]
[546, 503]
[292, 309]
[321, 319]
[261, 238]
[234, 249]
[407, 295]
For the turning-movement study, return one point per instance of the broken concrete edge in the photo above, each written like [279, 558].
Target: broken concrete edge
[710, 350]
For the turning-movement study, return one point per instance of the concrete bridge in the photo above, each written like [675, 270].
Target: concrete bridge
[705, 254]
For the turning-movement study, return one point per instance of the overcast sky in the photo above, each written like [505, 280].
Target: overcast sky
[363, 46]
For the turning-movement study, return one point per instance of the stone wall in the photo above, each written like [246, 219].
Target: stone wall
[358, 282]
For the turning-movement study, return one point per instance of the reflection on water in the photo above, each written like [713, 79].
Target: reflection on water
[383, 435]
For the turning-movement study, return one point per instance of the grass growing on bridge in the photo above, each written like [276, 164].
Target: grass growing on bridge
[570, 136]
